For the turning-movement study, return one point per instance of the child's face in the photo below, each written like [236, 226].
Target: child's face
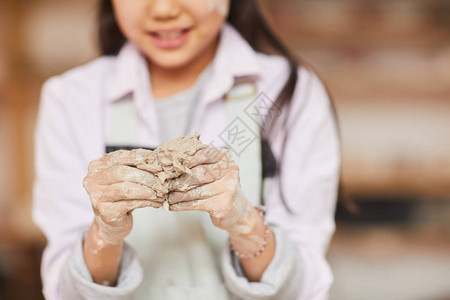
[139, 19]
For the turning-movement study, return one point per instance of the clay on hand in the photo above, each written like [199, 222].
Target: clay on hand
[116, 187]
[123, 180]
[181, 174]
[213, 186]
[171, 160]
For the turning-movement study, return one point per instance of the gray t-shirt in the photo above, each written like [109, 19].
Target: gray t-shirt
[180, 107]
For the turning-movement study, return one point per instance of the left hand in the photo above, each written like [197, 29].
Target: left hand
[214, 187]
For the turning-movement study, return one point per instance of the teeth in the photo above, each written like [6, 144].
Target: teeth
[171, 35]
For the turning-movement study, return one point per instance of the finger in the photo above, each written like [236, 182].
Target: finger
[190, 205]
[150, 167]
[131, 205]
[182, 183]
[201, 174]
[112, 211]
[124, 157]
[199, 193]
[127, 191]
[207, 155]
[121, 173]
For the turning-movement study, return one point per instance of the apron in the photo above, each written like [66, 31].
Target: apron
[180, 251]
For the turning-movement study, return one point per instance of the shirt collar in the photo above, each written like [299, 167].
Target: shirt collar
[234, 58]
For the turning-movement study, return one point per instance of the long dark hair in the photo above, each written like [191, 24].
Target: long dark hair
[246, 16]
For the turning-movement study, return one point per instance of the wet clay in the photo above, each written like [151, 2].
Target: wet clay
[167, 162]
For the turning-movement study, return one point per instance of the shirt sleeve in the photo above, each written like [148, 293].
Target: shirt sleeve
[309, 177]
[61, 207]
[76, 281]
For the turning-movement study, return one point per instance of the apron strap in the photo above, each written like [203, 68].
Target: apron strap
[244, 138]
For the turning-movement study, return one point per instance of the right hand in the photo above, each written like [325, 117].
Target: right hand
[116, 187]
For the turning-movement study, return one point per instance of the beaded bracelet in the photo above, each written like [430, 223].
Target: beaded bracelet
[260, 210]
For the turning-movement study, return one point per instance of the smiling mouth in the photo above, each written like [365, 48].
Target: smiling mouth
[169, 34]
[170, 39]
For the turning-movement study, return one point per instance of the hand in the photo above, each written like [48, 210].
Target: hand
[214, 187]
[116, 188]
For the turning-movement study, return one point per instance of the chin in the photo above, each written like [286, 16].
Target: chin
[169, 64]
[170, 61]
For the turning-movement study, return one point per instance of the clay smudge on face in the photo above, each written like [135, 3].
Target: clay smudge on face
[221, 6]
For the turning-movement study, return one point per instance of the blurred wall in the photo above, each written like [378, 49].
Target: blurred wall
[387, 64]
[38, 39]
[41, 39]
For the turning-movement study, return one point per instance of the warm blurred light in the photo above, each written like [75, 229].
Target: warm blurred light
[59, 35]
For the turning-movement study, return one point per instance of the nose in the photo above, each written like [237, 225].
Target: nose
[164, 9]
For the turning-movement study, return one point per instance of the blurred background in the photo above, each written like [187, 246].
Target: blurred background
[387, 66]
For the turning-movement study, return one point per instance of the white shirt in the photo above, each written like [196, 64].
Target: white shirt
[71, 132]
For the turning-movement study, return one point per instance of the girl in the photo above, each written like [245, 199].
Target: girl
[171, 68]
